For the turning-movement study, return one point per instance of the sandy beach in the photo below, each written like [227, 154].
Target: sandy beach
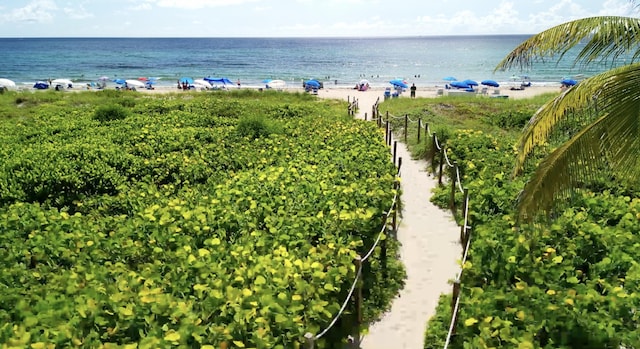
[373, 93]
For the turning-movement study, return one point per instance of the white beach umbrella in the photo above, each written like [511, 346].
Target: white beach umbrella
[134, 83]
[9, 84]
[63, 82]
[201, 83]
[276, 84]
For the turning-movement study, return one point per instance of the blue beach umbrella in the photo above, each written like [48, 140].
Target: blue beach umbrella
[41, 85]
[186, 80]
[459, 84]
[491, 83]
[223, 81]
[449, 78]
[398, 83]
[312, 83]
[119, 81]
[470, 82]
[569, 82]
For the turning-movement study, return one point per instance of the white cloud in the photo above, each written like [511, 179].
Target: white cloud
[617, 8]
[196, 4]
[35, 11]
[78, 13]
[141, 7]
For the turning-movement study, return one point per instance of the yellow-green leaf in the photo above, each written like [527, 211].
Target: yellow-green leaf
[172, 336]
[470, 322]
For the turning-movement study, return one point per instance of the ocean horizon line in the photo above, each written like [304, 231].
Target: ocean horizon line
[275, 37]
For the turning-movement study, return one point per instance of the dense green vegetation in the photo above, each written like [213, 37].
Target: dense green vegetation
[219, 220]
[569, 283]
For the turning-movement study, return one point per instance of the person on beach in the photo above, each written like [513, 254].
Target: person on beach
[413, 90]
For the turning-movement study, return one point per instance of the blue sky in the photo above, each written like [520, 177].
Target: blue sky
[291, 18]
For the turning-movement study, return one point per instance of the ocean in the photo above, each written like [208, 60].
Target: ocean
[339, 62]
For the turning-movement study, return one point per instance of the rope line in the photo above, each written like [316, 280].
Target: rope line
[344, 306]
[459, 180]
[455, 312]
[375, 244]
[362, 260]
[447, 159]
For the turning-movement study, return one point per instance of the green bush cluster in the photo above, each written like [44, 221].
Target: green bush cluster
[110, 113]
[167, 229]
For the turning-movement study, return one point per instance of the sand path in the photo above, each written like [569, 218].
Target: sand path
[429, 250]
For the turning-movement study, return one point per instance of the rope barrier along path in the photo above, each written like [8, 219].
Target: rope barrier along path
[359, 271]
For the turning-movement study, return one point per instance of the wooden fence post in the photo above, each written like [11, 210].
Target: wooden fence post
[453, 178]
[395, 151]
[399, 164]
[454, 299]
[358, 297]
[467, 236]
[386, 133]
[433, 153]
[419, 128]
[441, 165]
[394, 214]
[365, 116]
[406, 126]
[463, 227]
[308, 337]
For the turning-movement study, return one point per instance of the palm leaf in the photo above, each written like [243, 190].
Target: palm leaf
[616, 92]
[612, 142]
[609, 37]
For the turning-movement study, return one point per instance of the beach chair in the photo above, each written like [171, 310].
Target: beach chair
[387, 93]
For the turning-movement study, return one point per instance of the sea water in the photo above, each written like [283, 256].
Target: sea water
[340, 62]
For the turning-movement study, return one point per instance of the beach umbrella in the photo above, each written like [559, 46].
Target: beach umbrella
[266, 81]
[398, 83]
[134, 83]
[41, 85]
[491, 83]
[119, 81]
[312, 83]
[62, 82]
[569, 82]
[103, 78]
[459, 84]
[201, 83]
[470, 82]
[223, 81]
[186, 80]
[449, 78]
[276, 84]
[9, 84]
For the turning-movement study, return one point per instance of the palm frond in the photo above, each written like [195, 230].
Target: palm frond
[609, 37]
[557, 174]
[615, 93]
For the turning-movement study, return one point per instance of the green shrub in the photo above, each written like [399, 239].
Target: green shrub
[110, 113]
[255, 127]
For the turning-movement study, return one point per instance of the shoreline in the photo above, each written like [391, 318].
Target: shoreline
[344, 93]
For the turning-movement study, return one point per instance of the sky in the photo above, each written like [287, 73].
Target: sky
[293, 18]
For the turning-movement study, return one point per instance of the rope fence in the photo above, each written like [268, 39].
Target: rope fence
[355, 291]
[438, 157]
